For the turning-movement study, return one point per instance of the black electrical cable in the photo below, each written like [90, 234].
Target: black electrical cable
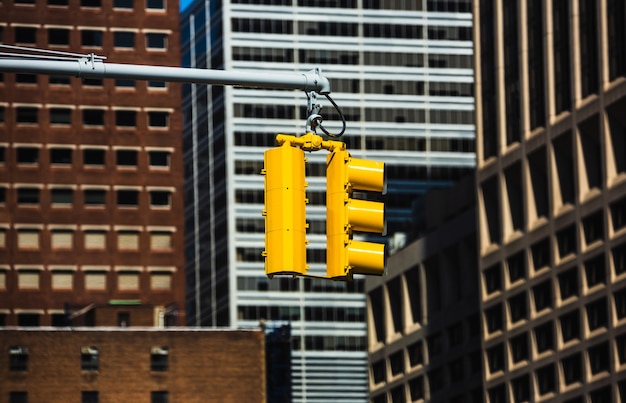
[343, 120]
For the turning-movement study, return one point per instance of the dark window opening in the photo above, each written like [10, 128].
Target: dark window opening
[159, 158]
[95, 197]
[126, 157]
[89, 359]
[93, 156]
[18, 359]
[27, 114]
[60, 116]
[91, 38]
[123, 39]
[27, 155]
[126, 118]
[158, 119]
[126, 198]
[28, 195]
[59, 36]
[61, 156]
[570, 326]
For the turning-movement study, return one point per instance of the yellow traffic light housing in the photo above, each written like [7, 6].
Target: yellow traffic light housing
[345, 256]
[285, 215]
[285, 209]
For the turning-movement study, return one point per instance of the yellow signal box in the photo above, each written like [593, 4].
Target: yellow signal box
[345, 215]
[285, 211]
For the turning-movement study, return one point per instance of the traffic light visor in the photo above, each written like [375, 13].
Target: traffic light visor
[367, 175]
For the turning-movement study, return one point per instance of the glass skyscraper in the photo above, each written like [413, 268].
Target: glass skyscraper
[401, 72]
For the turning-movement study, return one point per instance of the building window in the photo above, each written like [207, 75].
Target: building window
[89, 359]
[568, 283]
[124, 39]
[126, 118]
[156, 41]
[160, 198]
[544, 337]
[91, 38]
[155, 4]
[89, 396]
[597, 316]
[95, 197]
[91, 3]
[93, 117]
[18, 397]
[542, 294]
[25, 35]
[58, 36]
[26, 78]
[160, 396]
[59, 80]
[28, 279]
[62, 279]
[62, 239]
[59, 320]
[95, 280]
[128, 240]
[28, 238]
[95, 239]
[123, 319]
[27, 115]
[570, 326]
[60, 116]
[127, 198]
[546, 379]
[158, 119]
[160, 281]
[129, 4]
[159, 159]
[126, 158]
[61, 156]
[128, 281]
[28, 319]
[572, 369]
[160, 240]
[125, 83]
[27, 155]
[158, 359]
[92, 82]
[519, 348]
[18, 359]
[3, 280]
[61, 197]
[93, 157]
[157, 85]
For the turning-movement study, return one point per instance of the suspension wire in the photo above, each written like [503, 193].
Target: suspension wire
[35, 53]
[343, 120]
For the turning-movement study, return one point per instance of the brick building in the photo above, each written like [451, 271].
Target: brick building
[132, 365]
[91, 205]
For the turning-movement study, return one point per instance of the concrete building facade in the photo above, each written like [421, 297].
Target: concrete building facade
[424, 319]
[401, 71]
[551, 160]
[91, 205]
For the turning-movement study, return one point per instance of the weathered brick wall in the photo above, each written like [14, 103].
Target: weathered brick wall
[204, 365]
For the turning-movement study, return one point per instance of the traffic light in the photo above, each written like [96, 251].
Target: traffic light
[345, 215]
[285, 211]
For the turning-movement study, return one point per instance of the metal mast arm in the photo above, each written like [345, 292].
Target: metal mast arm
[92, 66]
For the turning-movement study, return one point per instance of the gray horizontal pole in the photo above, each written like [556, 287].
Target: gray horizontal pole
[95, 68]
